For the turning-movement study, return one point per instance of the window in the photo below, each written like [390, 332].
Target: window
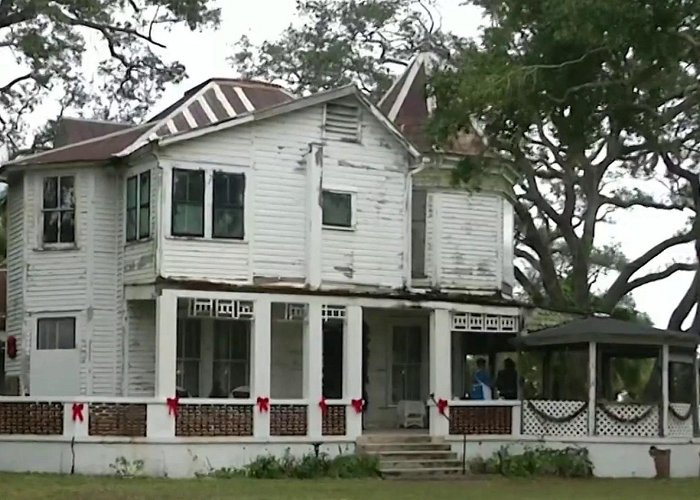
[227, 214]
[138, 206]
[407, 363]
[59, 210]
[55, 333]
[188, 356]
[188, 203]
[231, 354]
[342, 122]
[337, 209]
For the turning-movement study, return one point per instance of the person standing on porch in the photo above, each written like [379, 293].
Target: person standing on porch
[507, 380]
[481, 383]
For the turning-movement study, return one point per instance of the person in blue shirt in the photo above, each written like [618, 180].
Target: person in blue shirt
[481, 382]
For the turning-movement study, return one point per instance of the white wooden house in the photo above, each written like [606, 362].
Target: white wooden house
[252, 268]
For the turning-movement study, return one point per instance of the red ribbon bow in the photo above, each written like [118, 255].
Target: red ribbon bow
[358, 405]
[263, 404]
[442, 406]
[323, 405]
[173, 404]
[78, 411]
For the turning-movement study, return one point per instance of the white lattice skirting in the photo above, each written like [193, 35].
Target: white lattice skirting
[628, 421]
[680, 427]
[555, 418]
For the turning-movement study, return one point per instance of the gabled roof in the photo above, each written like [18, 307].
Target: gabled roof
[408, 104]
[297, 104]
[212, 101]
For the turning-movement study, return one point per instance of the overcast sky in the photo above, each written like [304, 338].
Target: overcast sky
[204, 55]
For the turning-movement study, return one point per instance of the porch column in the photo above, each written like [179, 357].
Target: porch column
[592, 390]
[352, 361]
[261, 361]
[313, 366]
[664, 390]
[440, 368]
[695, 400]
[166, 344]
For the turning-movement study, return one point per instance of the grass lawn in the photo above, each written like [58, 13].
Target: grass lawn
[21, 486]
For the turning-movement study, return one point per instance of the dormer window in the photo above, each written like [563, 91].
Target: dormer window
[342, 122]
[58, 210]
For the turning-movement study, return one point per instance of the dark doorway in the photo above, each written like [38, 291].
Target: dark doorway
[333, 360]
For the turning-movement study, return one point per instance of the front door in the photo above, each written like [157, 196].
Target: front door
[55, 360]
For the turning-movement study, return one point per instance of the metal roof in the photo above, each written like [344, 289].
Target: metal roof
[73, 130]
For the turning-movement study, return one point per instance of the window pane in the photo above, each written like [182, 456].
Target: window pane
[131, 192]
[144, 222]
[221, 343]
[46, 334]
[145, 189]
[131, 224]
[196, 186]
[66, 333]
[188, 220]
[51, 192]
[51, 227]
[337, 209]
[67, 226]
[180, 185]
[228, 223]
[67, 192]
[229, 190]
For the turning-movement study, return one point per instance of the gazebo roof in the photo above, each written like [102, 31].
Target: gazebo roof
[606, 331]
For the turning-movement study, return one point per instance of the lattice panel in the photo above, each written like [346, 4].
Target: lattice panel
[627, 420]
[333, 423]
[680, 420]
[214, 420]
[288, 420]
[221, 308]
[332, 312]
[112, 419]
[554, 418]
[478, 322]
[31, 418]
[481, 420]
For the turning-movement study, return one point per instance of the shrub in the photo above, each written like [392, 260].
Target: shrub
[567, 462]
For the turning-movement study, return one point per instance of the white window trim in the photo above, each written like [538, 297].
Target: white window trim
[80, 341]
[137, 173]
[353, 207]
[39, 203]
[167, 190]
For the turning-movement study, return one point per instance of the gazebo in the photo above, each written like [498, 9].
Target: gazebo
[587, 365]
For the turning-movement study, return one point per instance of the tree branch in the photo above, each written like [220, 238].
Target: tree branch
[685, 306]
[7, 87]
[652, 277]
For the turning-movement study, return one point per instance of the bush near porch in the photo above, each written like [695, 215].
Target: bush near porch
[24, 486]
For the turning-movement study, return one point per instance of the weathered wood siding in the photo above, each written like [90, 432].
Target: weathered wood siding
[465, 240]
[271, 154]
[140, 256]
[141, 348]
[15, 272]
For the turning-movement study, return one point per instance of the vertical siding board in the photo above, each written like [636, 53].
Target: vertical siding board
[15, 271]
[141, 345]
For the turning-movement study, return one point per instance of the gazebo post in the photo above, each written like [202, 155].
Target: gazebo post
[694, 399]
[664, 390]
[592, 375]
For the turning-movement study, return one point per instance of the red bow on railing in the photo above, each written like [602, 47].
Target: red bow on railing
[323, 405]
[442, 406]
[78, 411]
[358, 405]
[263, 404]
[173, 405]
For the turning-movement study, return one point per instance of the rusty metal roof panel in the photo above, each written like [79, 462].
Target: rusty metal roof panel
[72, 130]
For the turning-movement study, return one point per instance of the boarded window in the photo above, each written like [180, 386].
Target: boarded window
[188, 203]
[58, 210]
[228, 209]
[342, 122]
[337, 209]
[138, 206]
[55, 333]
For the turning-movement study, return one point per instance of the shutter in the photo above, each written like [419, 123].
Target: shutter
[342, 122]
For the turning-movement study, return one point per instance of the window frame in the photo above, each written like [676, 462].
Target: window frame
[353, 204]
[140, 205]
[58, 209]
[214, 208]
[56, 320]
[189, 171]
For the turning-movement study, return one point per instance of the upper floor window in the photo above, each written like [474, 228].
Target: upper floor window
[138, 206]
[342, 122]
[228, 205]
[188, 203]
[55, 333]
[337, 209]
[58, 209]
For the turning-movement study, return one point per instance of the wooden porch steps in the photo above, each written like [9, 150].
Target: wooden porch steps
[411, 456]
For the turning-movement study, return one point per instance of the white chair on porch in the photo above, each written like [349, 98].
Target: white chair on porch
[411, 414]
